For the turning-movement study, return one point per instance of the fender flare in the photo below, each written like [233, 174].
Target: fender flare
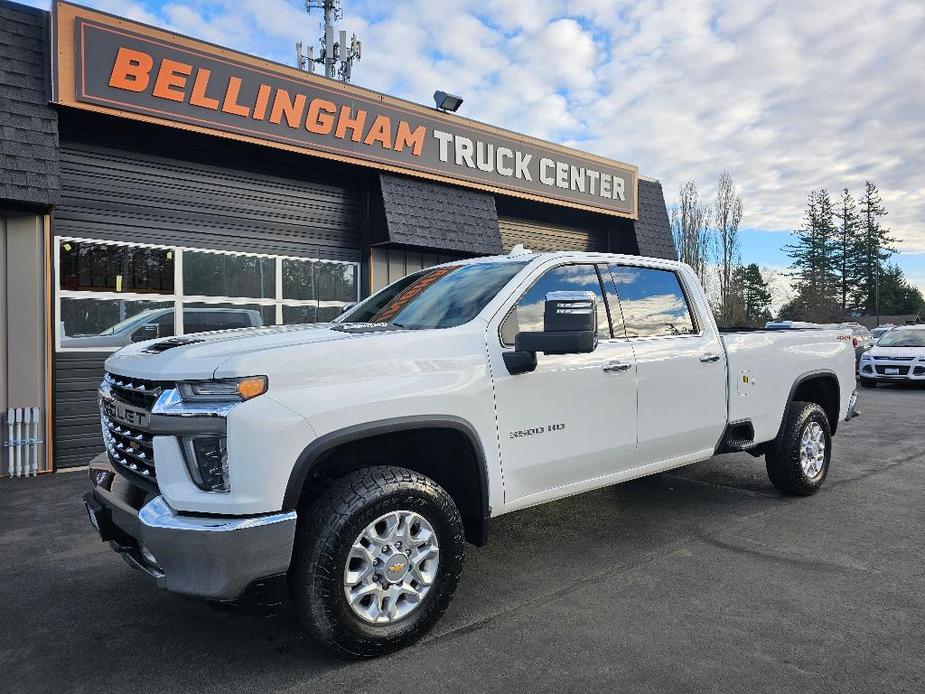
[314, 451]
[802, 378]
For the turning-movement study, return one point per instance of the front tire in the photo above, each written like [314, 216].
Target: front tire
[376, 562]
[799, 461]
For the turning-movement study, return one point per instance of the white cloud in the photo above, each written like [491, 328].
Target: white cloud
[787, 96]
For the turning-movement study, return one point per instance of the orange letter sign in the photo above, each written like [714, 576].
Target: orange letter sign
[132, 70]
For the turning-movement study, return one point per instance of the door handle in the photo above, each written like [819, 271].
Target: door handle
[707, 358]
[615, 367]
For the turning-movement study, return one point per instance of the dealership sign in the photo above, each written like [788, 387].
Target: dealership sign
[113, 65]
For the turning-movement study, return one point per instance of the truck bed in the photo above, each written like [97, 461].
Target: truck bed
[764, 365]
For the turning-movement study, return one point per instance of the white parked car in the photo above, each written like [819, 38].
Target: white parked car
[352, 461]
[899, 355]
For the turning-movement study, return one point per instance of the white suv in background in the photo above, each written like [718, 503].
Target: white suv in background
[898, 356]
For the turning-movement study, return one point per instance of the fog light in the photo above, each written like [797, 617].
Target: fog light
[207, 461]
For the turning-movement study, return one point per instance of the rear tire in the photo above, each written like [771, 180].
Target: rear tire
[799, 461]
[868, 383]
[359, 509]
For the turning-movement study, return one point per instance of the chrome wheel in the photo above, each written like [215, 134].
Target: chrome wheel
[812, 450]
[391, 566]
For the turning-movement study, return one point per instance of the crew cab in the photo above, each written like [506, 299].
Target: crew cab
[351, 461]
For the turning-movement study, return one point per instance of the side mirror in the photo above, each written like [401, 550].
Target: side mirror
[146, 332]
[569, 327]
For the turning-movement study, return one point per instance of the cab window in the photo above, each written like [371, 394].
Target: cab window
[527, 315]
[654, 303]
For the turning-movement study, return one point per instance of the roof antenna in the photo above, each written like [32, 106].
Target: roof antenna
[519, 250]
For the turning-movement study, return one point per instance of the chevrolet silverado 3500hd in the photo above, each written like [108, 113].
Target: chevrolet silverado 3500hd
[351, 461]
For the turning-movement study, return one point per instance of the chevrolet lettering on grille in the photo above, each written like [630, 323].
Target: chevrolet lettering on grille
[124, 414]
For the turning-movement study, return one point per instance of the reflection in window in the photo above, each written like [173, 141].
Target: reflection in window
[653, 302]
[300, 314]
[336, 281]
[309, 280]
[299, 280]
[108, 324]
[103, 267]
[527, 316]
[200, 317]
[225, 274]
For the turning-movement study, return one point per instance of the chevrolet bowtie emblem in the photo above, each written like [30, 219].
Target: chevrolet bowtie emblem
[396, 567]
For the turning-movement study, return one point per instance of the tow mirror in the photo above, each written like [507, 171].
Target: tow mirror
[146, 332]
[569, 327]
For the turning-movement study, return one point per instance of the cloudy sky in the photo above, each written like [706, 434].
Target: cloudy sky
[789, 96]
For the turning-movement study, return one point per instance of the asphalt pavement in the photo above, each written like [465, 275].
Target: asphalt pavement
[702, 579]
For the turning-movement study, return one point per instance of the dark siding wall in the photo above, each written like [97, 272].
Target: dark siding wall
[128, 181]
[133, 182]
[77, 419]
[28, 126]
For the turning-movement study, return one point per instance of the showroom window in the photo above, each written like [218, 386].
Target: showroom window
[110, 294]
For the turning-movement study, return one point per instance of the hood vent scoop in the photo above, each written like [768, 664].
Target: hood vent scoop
[164, 345]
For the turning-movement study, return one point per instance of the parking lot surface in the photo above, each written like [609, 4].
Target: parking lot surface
[702, 579]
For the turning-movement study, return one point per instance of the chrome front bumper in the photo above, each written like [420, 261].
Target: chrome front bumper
[213, 557]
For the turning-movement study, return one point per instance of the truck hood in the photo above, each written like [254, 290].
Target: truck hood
[198, 356]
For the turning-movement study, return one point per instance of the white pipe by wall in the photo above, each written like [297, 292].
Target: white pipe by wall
[22, 444]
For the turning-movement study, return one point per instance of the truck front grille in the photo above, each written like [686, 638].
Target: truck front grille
[136, 391]
[129, 448]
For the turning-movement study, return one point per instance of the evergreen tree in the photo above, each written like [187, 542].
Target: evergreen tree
[756, 297]
[875, 245]
[845, 255]
[813, 260]
[897, 295]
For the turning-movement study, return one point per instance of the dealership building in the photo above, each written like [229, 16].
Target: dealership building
[155, 185]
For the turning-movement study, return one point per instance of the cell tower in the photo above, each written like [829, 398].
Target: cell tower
[336, 56]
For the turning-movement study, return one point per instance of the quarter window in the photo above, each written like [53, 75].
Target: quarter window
[527, 315]
[653, 302]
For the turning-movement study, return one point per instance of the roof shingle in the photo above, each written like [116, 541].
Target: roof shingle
[28, 125]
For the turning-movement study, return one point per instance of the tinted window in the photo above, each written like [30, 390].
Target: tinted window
[441, 297]
[223, 274]
[653, 302]
[527, 315]
[107, 267]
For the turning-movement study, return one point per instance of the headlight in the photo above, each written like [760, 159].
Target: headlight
[207, 462]
[866, 356]
[224, 390]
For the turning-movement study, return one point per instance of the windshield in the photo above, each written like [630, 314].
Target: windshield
[903, 338]
[128, 323]
[442, 297]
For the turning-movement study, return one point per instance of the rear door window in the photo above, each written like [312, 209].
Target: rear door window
[653, 301]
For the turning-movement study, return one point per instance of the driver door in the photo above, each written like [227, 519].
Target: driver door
[571, 421]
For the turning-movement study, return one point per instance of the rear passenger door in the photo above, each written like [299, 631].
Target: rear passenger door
[680, 365]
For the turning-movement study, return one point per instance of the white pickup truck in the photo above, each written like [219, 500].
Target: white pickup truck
[350, 462]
